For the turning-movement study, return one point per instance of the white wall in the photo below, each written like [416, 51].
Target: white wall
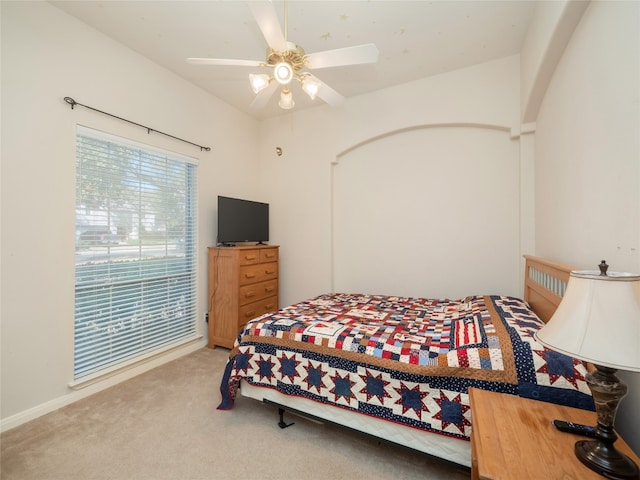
[588, 158]
[549, 32]
[477, 102]
[430, 212]
[47, 55]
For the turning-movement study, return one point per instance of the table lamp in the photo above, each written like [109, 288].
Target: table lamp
[598, 321]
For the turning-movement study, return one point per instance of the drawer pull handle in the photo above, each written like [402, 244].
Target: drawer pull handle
[269, 272]
[249, 275]
[270, 255]
[249, 294]
[249, 257]
[250, 314]
[269, 289]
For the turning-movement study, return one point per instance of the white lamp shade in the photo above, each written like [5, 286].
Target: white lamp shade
[259, 81]
[286, 99]
[311, 87]
[598, 320]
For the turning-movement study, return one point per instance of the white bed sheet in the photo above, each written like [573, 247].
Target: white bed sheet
[448, 448]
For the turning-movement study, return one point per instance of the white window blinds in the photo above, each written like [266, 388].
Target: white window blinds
[135, 255]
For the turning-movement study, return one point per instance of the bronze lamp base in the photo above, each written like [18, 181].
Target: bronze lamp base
[601, 455]
[606, 460]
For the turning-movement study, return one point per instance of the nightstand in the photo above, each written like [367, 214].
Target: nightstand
[513, 438]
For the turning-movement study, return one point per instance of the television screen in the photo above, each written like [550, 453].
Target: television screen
[242, 221]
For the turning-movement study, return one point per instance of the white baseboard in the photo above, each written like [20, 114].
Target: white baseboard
[97, 386]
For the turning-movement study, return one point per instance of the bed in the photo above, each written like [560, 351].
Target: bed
[399, 368]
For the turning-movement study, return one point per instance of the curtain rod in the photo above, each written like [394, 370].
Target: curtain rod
[73, 103]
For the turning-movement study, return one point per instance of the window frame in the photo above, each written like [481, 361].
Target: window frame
[180, 264]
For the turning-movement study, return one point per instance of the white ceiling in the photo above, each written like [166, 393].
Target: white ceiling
[416, 38]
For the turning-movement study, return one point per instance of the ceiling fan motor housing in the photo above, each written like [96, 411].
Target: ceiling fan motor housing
[294, 56]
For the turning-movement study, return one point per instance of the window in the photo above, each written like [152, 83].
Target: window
[135, 272]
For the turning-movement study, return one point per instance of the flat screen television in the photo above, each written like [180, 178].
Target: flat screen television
[242, 221]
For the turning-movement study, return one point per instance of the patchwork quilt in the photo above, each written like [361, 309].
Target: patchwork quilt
[405, 360]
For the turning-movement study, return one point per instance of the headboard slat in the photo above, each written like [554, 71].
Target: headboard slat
[545, 282]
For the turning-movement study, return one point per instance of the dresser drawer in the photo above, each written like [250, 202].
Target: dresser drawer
[249, 257]
[258, 273]
[255, 309]
[258, 291]
[269, 255]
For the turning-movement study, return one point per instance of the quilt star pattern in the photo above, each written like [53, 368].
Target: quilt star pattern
[404, 360]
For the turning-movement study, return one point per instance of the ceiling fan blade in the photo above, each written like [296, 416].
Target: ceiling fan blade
[340, 57]
[225, 62]
[328, 94]
[263, 96]
[267, 19]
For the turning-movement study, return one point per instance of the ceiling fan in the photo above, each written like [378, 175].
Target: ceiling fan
[289, 62]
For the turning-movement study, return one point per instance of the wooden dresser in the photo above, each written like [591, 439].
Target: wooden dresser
[243, 284]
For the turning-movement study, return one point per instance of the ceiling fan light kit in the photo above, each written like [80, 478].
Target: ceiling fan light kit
[289, 61]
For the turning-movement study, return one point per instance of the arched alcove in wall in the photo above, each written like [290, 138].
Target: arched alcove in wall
[428, 211]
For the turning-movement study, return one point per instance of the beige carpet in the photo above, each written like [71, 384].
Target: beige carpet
[164, 425]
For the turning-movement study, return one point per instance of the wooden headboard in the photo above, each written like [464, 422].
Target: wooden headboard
[544, 285]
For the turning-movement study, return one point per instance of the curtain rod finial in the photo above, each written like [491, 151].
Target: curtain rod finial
[70, 101]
